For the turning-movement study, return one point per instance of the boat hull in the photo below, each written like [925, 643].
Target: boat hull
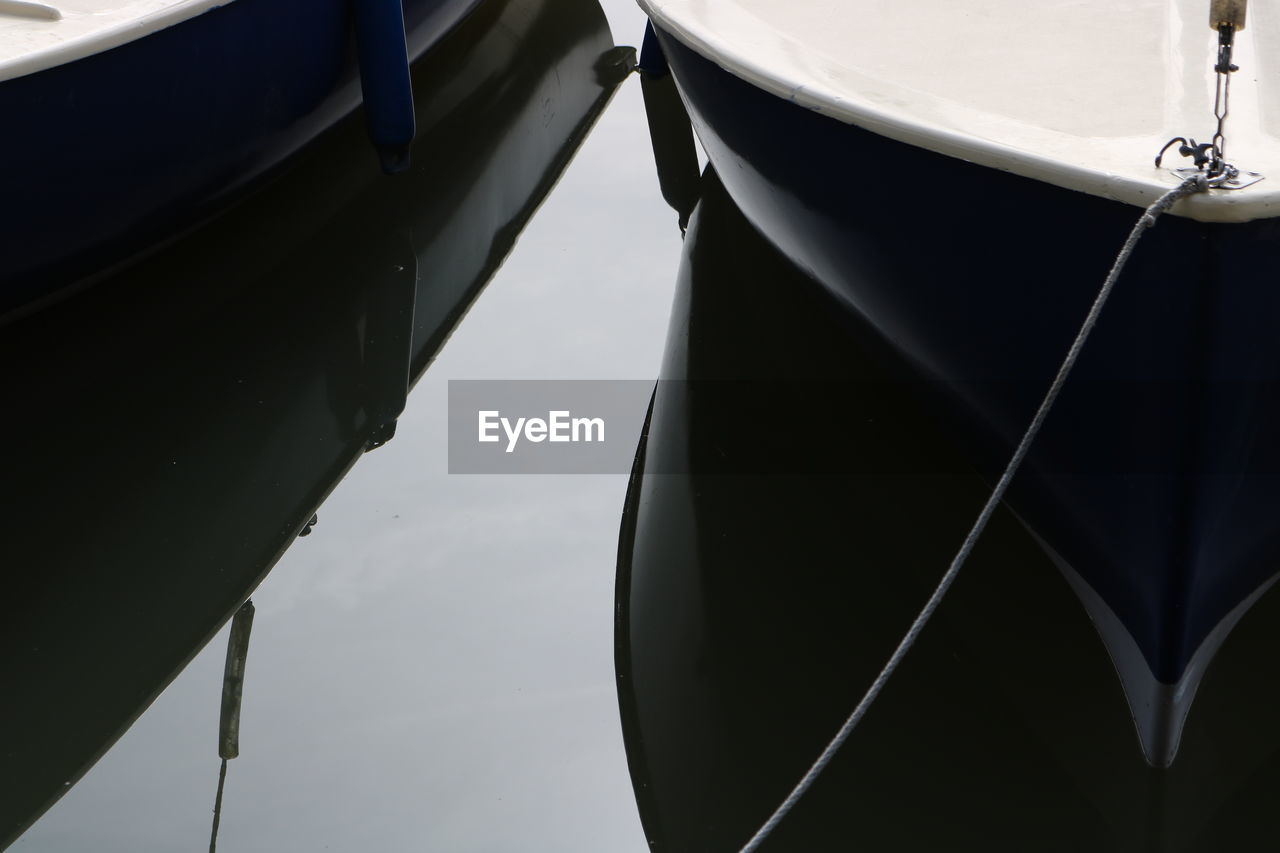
[1154, 482]
[765, 575]
[121, 148]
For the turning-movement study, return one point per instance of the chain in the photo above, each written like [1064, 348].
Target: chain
[1222, 98]
[1211, 157]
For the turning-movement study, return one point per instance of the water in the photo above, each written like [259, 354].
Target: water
[432, 667]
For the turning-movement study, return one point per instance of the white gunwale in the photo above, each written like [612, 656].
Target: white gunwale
[83, 28]
[1012, 110]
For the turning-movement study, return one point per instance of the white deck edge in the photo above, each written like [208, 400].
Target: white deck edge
[127, 28]
[1217, 206]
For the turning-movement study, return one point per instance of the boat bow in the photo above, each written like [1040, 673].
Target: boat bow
[1081, 95]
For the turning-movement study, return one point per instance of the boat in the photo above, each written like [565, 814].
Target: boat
[226, 411]
[765, 574]
[132, 120]
[960, 178]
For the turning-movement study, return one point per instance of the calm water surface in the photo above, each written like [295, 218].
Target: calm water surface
[432, 666]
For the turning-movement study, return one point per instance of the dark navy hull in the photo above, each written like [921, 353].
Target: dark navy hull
[1155, 480]
[807, 501]
[109, 153]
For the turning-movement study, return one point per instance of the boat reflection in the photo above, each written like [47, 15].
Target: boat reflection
[792, 506]
[172, 431]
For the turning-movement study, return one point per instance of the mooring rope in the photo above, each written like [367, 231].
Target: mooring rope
[217, 808]
[1195, 184]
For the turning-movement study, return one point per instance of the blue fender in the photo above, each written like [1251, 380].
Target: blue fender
[384, 79]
